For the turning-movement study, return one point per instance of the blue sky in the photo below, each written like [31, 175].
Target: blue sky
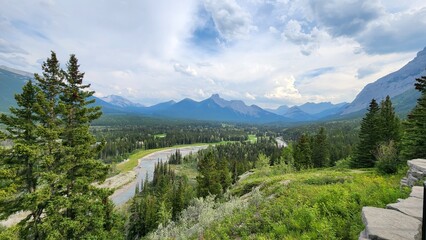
[265, 52]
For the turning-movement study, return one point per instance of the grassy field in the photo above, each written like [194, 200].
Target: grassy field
[252, 138]
[133, 159]
[161, 135]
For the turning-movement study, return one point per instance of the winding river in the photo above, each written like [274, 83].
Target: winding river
[146, 166]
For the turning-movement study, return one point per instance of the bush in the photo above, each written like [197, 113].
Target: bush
[344, 163]
[387, 158]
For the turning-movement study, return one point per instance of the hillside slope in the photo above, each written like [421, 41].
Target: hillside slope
[274, 204]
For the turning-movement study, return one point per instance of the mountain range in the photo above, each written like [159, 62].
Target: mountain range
[398, 85]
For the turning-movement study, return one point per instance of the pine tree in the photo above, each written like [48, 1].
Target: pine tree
[369, 137]
[52, 160]
[414, 140]
[208, 179]
[262, 161]
[390, 126]
[20, 165]
[164, 214]
[303, 153]
[75, 198]
[320, 152]
[224, 173]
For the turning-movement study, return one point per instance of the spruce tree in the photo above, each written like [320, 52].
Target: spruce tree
[52, 163]
[369, 137]
[75, 197]
[303, 153]
[414, 140]
[390, 126]
[320, 149]
[20, 166]
[208, 178]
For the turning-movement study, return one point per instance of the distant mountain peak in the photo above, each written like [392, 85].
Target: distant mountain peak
[422, 52]
[215, 95]
[120, 101]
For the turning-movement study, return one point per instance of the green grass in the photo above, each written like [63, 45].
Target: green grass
[134, 157]
[316, 204]
[161, 135]
[252, 138]
[186, 169]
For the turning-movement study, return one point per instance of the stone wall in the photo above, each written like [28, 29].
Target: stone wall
[415, 173]
[401, 220]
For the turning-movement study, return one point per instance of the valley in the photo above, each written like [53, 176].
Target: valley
[212, 119]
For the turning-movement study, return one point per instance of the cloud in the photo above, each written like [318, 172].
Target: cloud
[346, 17]
[7, 47]
[249, 96]
[284, 90]
[293, 32]
[308, 41]
[230, 19]
[185, 69]
[241, 49]
[399, 32]
[317, 72]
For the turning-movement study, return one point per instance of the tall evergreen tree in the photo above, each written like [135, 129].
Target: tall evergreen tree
[208, 178]
[52, 160]
[303, 153]
[369, 137]
[21, 165]
[76, 198]
[414, 140]
[320, 149]
[390, 125]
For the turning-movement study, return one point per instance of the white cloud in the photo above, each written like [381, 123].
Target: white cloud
[293, 32]
[185, 69]
[249, 96]
[284, 89]
[146, 50]
[308, 41]
[230, 19]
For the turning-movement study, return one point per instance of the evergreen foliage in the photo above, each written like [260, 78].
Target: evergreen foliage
[159, 202]
[390, 125]
[414, 139]
[369, 137]
[209, 182]
[51, 166]
[228, 161]
[320, 149]
[176, 158]
[303, 153]
[263, 161]
[380, 126]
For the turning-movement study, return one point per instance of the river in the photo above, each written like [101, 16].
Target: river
[146, 166]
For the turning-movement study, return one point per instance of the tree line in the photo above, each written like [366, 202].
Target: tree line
[120, 142]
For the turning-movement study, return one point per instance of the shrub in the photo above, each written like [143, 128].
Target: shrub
[387, 158]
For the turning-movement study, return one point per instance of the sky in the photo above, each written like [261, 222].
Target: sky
[264, 52]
